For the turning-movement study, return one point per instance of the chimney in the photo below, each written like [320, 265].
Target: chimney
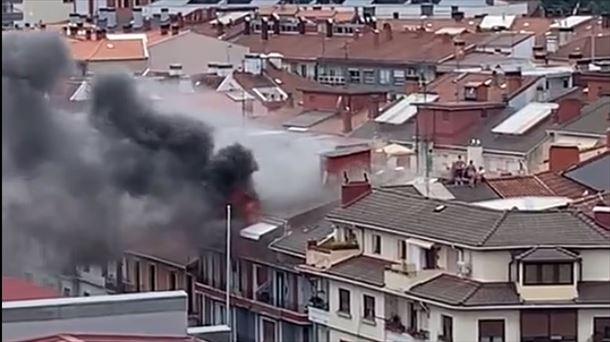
[606, 20]
[562, 157]
[539, 52]
[276, 24]
[301, 25]
[427, 9]
[474, 152]
[395, 15]
[457, 16]
[164, 14]
[601, 213]
[147, 24]
[88, 34]
[164, 29]
[376, 37]
[100, 34]
[247, 27]
[138, 18]
[352, 191]
[372, 23]
[412, 84]
[513, 80]
[459, 45]
[475, 92]
[373, 107]
[175, 29]
[73, 30]
[264, 29]
[253, 64]
[569, 108]
[65, 30]
[80, 25]
[111, 17]
[329, 27]
[127, 28]
[387, 31]
[180, 19]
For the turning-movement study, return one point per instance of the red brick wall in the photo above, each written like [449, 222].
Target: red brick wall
[597, 88]
[337, 165]
[562, 157]
[569, 108]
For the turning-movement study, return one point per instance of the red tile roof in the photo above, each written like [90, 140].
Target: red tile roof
[585, 44]
[111, 338]
[562, 186]
[306, 46]
[107, 50]
[20, 289]
[516, 186]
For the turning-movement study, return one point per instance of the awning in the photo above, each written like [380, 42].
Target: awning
[420, 243]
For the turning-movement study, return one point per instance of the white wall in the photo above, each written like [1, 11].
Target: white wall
[595, 264]
[355, 325]
[389, 245]
[490, 265]
[524, 49]
[47, 11]
[585, 322]
[466, 326]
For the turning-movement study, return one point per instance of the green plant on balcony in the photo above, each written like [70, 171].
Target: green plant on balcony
[394, 324]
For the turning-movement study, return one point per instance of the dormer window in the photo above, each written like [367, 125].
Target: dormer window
[548, 273]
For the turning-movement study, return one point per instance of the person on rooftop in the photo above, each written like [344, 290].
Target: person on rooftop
[458, 170]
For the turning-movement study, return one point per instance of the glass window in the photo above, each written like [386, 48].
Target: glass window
[402, 250]
[564, 274]
[399, 77]
[384, 76]
[344, 305]
[447, 328]
[369, 307]
[369, 76]
[491, 330]
[376, 244]
[548, 274]
[354, 75]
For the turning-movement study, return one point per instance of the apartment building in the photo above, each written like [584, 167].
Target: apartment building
[11, 13]
[404, 268]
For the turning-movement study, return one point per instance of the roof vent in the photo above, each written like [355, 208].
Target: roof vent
[440, 208]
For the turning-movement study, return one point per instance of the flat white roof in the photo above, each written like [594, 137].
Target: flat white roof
[451, 30]
[208, 329]
[93, 299]
[525, 203]
[257, 230]
[491, 21]
[571, 21]
[405, 109]
[526, 118]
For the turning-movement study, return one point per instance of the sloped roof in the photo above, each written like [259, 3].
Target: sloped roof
[593, 120]
[593, 173]
[547, 254]
[20, 289]
[468, 224]
[361, 268]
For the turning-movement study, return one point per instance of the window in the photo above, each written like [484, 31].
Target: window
[369, 308]
[566, 82]
[111, 3]
[68, 1]
[384, 76]
[601, 329]
[548, 274]
[413, 316]
[66, 292]
[350, 235]
[491, 330]
[399, 77]
[431, 257]
[126, 4]
[152, 277]
[86, 294]
[303, 70]
[173, 281]
[447, 327]
[369, 76]
[376, 244]
[402, 250]
[354, 75]
[269, 331]
[344, 305]
[138, 280]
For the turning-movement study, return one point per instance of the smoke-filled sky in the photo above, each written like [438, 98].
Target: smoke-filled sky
[80, 184]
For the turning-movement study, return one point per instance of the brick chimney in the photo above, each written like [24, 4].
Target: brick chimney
[329, 27]
[276, 24]
[376, 37]
[301, 25]
[387, 32]
[175, 29]
[606, 20]
[412, 84]
[562, 157]
[264, 29]
[100, 34]
[569, 108]
[457, 16]
[247, 27]
[513, 80]
[88, 34]
[459, 45]
[346, 116]
[164, 29]
[373, 111]
[352, 191]
[601, 213]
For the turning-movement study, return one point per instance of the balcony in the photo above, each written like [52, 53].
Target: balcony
[400, 277]
[330, 253]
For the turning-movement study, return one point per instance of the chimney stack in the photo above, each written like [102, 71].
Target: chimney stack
[247, 27]
[100, 34]
[301, 25]
[376, 37]
[513, 80]
[175, 29]
[601, 213]
[164, 29]
[88, 34]
[43, 26]
[138, 18]
[173, 18]
[412, 84]
[395, 15]
[352, 191]
[156, 18]
[264, 29]
[175, 70]
[569, 108]
[329, 27]
[562, 157]
[606, 20]
[276, 24]
[387, 32]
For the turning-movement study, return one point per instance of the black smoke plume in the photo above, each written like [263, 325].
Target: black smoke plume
[75, 186]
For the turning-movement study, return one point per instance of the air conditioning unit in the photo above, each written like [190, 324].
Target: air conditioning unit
[464, 268]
